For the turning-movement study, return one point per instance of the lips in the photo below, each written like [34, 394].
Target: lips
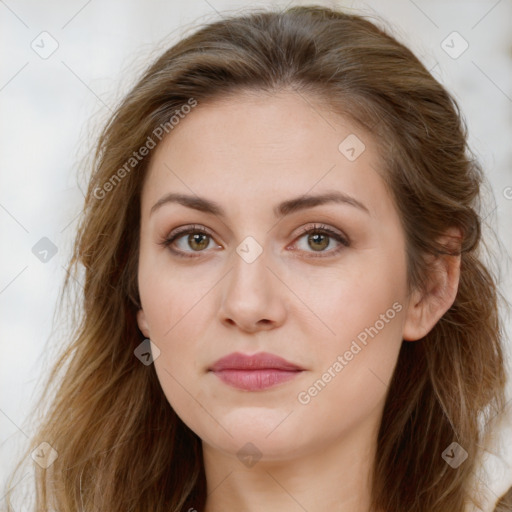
[262, 360]
[257, 372]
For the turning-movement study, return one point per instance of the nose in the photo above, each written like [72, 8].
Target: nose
[253, 298]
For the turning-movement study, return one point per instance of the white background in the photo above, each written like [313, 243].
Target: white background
[52, 109]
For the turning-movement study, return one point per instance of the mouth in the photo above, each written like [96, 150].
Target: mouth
[254, 372]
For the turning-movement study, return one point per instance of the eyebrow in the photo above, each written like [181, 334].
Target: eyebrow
[285, 208]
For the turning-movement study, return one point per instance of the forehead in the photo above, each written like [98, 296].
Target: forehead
[253, 148]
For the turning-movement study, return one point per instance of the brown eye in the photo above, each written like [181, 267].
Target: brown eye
[319, 238]
[318, 241]
[197, 241]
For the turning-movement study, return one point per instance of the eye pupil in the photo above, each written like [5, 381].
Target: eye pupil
[318, 238]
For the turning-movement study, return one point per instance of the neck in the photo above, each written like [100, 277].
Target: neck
[335, 476]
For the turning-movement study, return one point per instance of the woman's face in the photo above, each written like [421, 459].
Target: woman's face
[249, 279]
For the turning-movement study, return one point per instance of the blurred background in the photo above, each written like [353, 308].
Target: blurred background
[66, 65]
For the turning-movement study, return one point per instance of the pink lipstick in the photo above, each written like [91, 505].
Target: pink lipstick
[254, 373]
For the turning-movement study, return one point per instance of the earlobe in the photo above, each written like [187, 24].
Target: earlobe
[426, 308]
[142, 322]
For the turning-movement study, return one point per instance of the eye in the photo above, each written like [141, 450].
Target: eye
[319, 237]
[198, 240]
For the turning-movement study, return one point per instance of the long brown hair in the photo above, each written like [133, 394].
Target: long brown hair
[120, 445]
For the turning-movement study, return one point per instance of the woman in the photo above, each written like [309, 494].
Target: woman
[284, 303]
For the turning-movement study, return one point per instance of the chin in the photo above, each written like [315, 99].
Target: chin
[267, 435]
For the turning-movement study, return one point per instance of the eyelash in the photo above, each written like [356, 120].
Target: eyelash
[317, 229]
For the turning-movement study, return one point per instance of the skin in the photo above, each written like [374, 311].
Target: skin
[248, 153]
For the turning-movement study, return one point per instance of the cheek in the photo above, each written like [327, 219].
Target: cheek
[353, 366]
[177, 320]
[172, 308]
[345, 300]
[174, 311]
[361, 308]
[171, 295]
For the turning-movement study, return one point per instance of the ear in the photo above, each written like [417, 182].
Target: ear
[426, 308]
[143, 323]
